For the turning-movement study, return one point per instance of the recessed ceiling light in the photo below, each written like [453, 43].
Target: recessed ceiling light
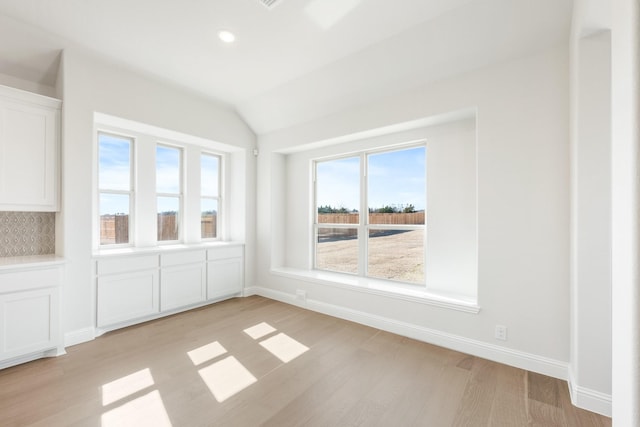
[226, 36]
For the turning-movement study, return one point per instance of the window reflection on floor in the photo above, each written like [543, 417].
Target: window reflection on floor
[147, 410]
[226, 378]
[128, 405]
[260, 330]
[284, 347]
[126, 386]
[206, 353]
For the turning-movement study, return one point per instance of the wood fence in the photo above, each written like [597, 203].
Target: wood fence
[327, 234]
[374, 218]
[114, 229]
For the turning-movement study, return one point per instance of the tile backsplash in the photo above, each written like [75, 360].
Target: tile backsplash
[27, 233]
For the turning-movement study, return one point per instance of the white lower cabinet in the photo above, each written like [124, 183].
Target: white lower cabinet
[225, 269]
[183, 278]
[122, 297]
[29, 314]
[135, 288]
[127, 288]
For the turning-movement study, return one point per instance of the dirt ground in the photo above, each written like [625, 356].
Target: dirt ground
[395, 257]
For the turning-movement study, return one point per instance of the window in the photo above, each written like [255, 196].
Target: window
[156, 187]
[115, 188]
[388, 242]
[209, 195]
[168, 192]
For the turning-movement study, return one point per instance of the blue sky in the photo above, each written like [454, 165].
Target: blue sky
[395, 178]
[115, 174]
[115, 158]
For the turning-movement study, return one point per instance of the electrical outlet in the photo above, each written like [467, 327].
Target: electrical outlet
[301, 295]
[501, 333]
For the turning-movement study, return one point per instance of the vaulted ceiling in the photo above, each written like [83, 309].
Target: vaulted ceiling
[291, 63]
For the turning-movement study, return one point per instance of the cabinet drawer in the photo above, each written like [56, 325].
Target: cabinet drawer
[224, 253]
[126, 264]
[182, 258]
[16, 281]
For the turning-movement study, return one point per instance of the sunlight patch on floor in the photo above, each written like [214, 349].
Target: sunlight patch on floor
[126, 386]
[147, 410]
[226, 378]
[284, 347]
[206, 353]
[260, 330]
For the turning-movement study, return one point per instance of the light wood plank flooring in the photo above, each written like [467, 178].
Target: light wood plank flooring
[200, 368]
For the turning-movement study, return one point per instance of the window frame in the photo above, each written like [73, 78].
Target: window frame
[364, 226]
[218, 198]
[130, 193]
[179, 195]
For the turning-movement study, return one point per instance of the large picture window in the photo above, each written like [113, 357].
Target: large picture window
[388, 240]
[115, 188]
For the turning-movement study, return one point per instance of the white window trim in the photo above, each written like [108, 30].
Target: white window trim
[179, 195]
[363, 227]
[219, 198]
[130, 193]
[146, 138]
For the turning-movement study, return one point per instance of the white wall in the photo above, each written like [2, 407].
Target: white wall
[625, 154]
[452, 212]
[523, 212]
[591, 222]
[89, 86]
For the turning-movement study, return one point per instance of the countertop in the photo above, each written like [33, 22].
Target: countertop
[31, 261]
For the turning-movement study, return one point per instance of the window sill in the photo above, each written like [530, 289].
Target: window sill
[131, 250]
[384, 288]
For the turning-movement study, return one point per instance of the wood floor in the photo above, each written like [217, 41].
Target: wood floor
[201, 368]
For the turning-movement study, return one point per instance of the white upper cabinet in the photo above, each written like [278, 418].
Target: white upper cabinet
[29, 145]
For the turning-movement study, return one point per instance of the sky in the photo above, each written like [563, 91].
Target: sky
[115, 174]
[395, 178]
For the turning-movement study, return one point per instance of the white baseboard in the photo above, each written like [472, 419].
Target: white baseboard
[507, 356]
[589, 399]
[30, 357]
[79, 336]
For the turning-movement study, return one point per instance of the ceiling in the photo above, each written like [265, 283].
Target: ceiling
[295, 62]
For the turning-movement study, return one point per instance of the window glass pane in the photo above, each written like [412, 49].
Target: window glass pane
[338, 191]
[209, 175]
[397, 187]
[167, 169]
[114, 218]
[208, 219]
[397, 255]
[168, 218]
[337, 249]
[114, 162]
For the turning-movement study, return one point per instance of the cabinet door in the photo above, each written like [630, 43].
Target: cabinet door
[28, 157]
[29, 322]
[182, 285]
[128, 296]
[224, 277]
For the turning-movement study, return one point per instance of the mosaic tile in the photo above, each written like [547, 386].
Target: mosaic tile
[27, 233]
